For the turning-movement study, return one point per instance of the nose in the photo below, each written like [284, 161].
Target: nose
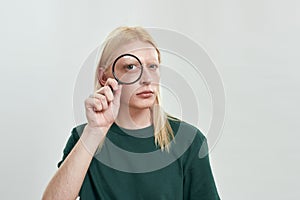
[146, 78]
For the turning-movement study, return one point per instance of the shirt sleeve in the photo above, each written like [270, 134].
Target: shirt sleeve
[69, 146]
[198, 178]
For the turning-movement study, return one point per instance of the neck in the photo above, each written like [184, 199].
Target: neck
[132, 118]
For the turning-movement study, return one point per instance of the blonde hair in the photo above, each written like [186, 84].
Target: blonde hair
[163, 132]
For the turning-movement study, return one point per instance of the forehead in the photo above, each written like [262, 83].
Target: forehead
[140, 49]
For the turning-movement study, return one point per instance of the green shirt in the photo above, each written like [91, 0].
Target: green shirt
[130, 166]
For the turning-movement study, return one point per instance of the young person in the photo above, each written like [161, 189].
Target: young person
[124, 112]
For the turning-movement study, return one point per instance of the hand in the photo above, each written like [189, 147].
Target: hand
[103, 106]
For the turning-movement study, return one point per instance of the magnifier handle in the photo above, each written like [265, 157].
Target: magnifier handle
[111, 88]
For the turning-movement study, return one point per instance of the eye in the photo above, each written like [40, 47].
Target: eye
[153, 66]
[130, 67]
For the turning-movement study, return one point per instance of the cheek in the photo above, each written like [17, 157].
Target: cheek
[156, 81]
[156, 77]
[127, 93]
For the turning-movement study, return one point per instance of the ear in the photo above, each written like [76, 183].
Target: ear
[102, 78]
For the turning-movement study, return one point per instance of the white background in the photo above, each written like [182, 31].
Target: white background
[254, 45]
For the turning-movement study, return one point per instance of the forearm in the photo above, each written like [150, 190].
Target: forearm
[68, 179]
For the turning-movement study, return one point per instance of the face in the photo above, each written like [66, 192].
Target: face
[141, 94]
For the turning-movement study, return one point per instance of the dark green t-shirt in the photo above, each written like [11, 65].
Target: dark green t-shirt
[130, 166]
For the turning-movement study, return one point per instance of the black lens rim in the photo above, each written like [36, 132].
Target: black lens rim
[113, 68]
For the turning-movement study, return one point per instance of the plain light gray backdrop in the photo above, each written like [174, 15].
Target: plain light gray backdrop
[254, 44]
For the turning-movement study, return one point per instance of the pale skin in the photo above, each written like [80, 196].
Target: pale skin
[125, 106]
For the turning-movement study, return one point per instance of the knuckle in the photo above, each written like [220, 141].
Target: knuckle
[102, 98]
[110, 98]
[110, 79]
[106, 89]
[98, 106]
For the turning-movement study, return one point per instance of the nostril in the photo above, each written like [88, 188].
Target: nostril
[146, 80]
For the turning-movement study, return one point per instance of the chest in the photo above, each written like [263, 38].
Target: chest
[108, 183]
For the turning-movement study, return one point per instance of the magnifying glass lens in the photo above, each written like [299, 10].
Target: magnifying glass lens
[127, 69]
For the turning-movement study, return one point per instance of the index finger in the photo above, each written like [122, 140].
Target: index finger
[112, 83]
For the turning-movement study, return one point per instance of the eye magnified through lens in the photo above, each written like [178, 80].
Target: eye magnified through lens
[127, 69]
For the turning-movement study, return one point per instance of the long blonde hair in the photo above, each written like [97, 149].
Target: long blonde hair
[163, 132]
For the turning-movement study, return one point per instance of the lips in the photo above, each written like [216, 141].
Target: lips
[145, 92]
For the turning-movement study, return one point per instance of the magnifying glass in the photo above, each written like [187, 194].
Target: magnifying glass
[127, 69]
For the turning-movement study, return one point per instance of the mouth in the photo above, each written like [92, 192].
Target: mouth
[145, 94]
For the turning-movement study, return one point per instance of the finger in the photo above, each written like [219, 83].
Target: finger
[112, 83]
[101, 99]
[106, 91]
[94, 104]
[117, 95]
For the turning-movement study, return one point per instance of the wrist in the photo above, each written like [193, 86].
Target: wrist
[92, 130]
[92, 137]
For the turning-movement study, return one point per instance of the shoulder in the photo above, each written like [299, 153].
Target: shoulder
[186, 128]
[190, 136]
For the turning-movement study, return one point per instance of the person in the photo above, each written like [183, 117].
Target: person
[130, 148]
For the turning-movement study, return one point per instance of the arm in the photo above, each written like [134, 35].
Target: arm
[101, 110]
[198, 177]
[67, 181]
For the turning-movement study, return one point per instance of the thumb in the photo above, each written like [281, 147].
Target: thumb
[117, 95]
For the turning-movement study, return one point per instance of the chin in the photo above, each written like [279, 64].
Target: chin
[143, 104]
